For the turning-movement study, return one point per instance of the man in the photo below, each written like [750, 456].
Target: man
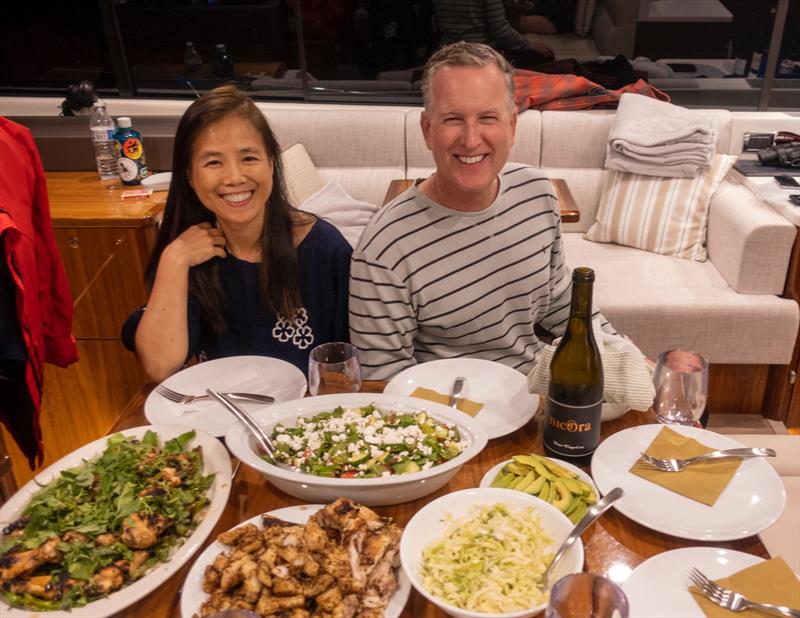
[470, 261]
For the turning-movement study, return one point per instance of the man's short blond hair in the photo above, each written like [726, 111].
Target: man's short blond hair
[465, 54]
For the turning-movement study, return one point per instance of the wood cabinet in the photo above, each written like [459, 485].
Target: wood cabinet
[105, 244]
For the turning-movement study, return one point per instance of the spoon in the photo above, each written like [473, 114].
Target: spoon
[594, 512]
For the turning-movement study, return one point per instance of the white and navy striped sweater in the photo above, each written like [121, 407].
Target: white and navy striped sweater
[428, 282]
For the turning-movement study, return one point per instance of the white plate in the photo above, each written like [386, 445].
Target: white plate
[193, 597]
[245, 374]
[215, 460]
[503, 391]
[751, 502]
[658, 587]
[487, 479]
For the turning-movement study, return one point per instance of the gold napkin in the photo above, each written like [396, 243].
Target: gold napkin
[767, 582]
[465, 405]
[703, 482]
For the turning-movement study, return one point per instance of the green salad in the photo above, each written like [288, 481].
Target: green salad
[366, 443]
[97, 527]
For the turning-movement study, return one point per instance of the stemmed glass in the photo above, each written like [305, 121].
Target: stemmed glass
[582, 594]
[681, 383]
[334, 368]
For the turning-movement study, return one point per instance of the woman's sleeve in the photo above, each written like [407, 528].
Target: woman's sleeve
[341, 274]
[194, 325]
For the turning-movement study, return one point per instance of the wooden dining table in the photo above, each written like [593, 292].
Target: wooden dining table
[613, 546]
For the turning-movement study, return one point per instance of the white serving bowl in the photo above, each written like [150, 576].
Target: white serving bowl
[430, 525]
[371, 492]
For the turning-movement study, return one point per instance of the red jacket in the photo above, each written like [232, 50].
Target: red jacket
[43, 299]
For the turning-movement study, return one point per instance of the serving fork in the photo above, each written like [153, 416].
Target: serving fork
[177, 397]
[676, 465]
[733, 600]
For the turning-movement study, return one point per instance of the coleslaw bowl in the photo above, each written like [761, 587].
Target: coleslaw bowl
[431, 523]
[393, 489]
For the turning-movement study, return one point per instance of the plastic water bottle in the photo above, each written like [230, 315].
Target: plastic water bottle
[130, 152]
[102, 129]
[223, 61]
[191, 59]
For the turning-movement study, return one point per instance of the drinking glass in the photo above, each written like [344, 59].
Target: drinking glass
[681, 383]
[582, 594]
[334, 368]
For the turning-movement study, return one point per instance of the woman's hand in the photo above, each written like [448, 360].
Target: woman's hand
[197, 244]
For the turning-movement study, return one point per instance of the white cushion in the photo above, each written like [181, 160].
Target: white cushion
[335, 205]
[663, 302]
[301, 177]
[663, 215]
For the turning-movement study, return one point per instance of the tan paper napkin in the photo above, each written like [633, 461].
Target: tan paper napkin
[767, 582]
[465, 405]
[703, 482]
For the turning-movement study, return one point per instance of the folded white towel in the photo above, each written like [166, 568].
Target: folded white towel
[627, 377]
[649, 122]
[655, 138]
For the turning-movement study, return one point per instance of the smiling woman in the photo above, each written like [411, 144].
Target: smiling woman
[236, 269]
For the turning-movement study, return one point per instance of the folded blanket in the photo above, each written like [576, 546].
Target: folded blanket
[648, 122]
[654, 138]
[627, 378]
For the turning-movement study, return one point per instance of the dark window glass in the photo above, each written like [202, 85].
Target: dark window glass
[46, 46]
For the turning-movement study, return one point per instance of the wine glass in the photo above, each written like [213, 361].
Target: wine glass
[582, 594]
[681, 383]
[334, 368]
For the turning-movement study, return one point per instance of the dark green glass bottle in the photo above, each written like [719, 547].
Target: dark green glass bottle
[575, 395]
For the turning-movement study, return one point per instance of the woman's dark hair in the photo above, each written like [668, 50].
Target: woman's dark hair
[279, 270]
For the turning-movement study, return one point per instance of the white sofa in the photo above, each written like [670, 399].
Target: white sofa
[729, 308]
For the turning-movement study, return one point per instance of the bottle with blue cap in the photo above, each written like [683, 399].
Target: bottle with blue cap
[130, 152]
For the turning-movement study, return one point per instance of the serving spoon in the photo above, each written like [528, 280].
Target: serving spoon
[594, 512]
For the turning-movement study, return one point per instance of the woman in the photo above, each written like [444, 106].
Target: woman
[236, 270]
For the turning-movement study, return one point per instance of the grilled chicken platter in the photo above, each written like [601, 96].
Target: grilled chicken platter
[341, 564]
[103, 524]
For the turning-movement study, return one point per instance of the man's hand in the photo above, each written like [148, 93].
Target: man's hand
[196, 245]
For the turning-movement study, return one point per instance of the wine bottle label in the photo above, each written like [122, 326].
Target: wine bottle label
[572, 431]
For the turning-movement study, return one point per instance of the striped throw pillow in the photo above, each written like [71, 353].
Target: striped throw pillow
[662, 215]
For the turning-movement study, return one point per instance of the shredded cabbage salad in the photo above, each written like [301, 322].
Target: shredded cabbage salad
[491, 562]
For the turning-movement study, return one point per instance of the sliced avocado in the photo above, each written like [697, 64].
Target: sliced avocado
[585, 487]
[406, 467]
[513, 484]
[573, 505]
[358, 457]
[544, 494]
[516, 468]
[560, 496]
[534, 462]
[527, 480]
[591, 498]
[502, 479]
[557, 469]
[421, 418]
[579, 512]
[573, 485]
[537, 485]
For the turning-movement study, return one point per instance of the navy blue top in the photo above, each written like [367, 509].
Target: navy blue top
[252, 329]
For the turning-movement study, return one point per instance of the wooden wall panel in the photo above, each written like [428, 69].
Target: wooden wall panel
[82, 402]
[737, 389]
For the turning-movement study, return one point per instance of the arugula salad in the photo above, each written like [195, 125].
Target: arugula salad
[366, 443]
[103, 524]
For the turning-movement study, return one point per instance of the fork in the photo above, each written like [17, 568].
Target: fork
[733, 600]
[177, 397]
[455, 392]
[676, 465]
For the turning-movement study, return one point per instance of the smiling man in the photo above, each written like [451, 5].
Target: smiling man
[469, 262]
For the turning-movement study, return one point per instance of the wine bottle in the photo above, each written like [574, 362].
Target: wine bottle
[575, 394]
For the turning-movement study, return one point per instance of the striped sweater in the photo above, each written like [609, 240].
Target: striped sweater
[428, 282]
[477, 21]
